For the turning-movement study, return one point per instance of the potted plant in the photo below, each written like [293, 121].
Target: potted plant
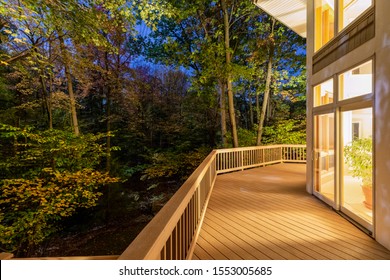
[358, 156]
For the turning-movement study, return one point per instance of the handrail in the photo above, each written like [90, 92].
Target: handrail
[6, 256]
[74, 258]
[9, 256]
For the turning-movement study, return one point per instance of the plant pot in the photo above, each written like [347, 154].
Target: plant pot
[367, 191]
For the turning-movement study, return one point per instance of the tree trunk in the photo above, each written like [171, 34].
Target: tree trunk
[257, 107]
[251, 121]
[47, 101]
[270, 108]
[68, 75]
[232, 114]
[108, 115]
[267, 85]
[50, 97]
[223, 113]
[108, 142]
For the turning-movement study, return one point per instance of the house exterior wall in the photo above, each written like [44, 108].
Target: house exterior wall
[376, 47]
[382, 122]
[309, 96]
[353, 36]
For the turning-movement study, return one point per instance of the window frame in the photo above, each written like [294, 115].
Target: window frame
[337, 31]
[340, 16]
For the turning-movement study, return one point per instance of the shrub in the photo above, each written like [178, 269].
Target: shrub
[285, 132]
[174, 165]
[46, 176]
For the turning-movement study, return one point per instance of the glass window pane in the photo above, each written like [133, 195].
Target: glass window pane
[324, 155]
[356, 82]
[357, 168]
[350, 10]
[323, 93]
[324, 22]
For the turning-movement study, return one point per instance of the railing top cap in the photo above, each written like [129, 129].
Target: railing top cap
[261, 147]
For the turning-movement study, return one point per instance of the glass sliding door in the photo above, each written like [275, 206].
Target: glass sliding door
[324, 157]
[357, 187]
[343, 143]
[356, 143]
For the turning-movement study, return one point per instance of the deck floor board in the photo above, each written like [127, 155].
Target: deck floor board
[265, 213]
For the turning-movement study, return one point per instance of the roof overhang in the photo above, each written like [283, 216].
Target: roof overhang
[292, 13]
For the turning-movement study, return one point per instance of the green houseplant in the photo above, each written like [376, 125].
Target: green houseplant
[358, 156]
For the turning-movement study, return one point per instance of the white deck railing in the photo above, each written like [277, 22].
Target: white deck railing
[172, 233]
[248, 157]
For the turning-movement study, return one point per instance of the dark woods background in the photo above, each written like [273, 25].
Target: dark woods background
[107, 106]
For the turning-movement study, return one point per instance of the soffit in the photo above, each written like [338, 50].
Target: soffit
[292, 13]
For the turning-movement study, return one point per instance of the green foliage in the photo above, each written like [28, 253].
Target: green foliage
[83, 21]
[29, 152]
[46, 176]
[358, 156]
[30, 207]
[247, 137]
[151, 11]
[172, 164]
[285, 132]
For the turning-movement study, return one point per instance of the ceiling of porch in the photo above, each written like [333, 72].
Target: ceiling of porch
[292, 13]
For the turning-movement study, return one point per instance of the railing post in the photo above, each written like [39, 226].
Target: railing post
[263, 156]
[281, 154]
[242, 160]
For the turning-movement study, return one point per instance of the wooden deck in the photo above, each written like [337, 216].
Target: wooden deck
[265, 213]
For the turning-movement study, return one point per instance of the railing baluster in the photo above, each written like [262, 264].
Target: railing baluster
[227, 163]
[180, 236]
[190, 216]
[183, 236]
[227, 160]
[186, 230]
[162, 254]
[174, 244]
[168, 247]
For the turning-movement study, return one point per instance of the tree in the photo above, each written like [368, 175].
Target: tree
[204, 36]
[276, 57]
[267, 83]
[75, 73]
[70, 22]
[232, 114]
